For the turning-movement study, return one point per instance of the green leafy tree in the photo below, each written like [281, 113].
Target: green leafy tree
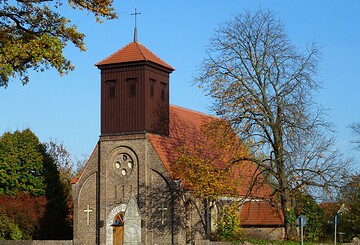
[306, 205]
[60, 193]
[21, 164]
[38, 171]
[33, 35]
[264, 86]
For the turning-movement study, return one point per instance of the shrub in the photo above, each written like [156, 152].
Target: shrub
[228, 225]
[25, 212]
[8, 229]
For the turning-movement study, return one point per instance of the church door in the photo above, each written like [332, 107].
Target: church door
[118, 229]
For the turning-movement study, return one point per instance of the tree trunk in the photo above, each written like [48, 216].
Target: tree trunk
[287, 206]
[207, 218]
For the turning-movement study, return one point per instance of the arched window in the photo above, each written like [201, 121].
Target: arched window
[119, 219]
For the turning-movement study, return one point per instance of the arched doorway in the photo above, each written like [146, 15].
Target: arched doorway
[118, 229]
[110, 221]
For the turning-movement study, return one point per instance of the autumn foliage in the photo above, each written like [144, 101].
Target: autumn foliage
[24, 211]
[34, 33]
[207, 161]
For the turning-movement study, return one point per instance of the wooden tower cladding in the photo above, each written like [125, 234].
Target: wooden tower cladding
[134, 92]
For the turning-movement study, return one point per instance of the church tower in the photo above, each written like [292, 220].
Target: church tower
[134, 92]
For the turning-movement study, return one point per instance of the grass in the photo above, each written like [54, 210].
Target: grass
[274, 242]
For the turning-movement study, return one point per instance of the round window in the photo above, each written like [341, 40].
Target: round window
[123, 164]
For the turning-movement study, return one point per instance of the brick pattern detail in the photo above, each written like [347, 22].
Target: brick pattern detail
[149, 182]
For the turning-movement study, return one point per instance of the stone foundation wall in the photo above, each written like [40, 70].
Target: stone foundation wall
[37, 242]
[263, 233]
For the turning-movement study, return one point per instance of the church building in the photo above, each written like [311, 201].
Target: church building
[127, 192]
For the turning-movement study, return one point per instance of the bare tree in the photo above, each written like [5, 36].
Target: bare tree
[265, 87]
[355, 127]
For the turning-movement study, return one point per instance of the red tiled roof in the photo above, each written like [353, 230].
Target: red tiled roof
[133, 52]
[260, 213]
[185, 127]
[183, 123]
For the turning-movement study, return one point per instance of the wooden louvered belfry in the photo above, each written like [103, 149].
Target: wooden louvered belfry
[134, 92]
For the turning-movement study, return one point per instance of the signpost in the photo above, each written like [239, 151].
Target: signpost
[336, 221]
[302, 222]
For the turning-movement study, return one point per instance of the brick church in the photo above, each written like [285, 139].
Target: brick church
[127, 192]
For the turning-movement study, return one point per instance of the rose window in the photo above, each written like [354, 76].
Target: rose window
[123, 165]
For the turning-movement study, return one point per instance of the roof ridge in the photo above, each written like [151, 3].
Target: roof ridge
[152, 53]
[195, 111]
[139, 45]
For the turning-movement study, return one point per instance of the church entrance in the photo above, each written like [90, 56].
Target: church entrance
[118, 229]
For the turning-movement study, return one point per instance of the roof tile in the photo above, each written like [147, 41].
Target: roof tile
[133, 52]
[260, 213]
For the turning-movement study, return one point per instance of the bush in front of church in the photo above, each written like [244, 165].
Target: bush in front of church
[228, 224]
[8, 229]
[24, 212]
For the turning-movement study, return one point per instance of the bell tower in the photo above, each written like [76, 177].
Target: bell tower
[134, 92]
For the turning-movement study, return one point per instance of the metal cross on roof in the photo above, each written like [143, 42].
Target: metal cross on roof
[135, 29]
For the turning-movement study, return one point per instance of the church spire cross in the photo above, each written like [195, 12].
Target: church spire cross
[135, 29]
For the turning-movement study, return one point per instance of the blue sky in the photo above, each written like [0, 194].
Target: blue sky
[67, 108]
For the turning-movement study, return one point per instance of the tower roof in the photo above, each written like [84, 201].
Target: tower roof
[133, 52]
